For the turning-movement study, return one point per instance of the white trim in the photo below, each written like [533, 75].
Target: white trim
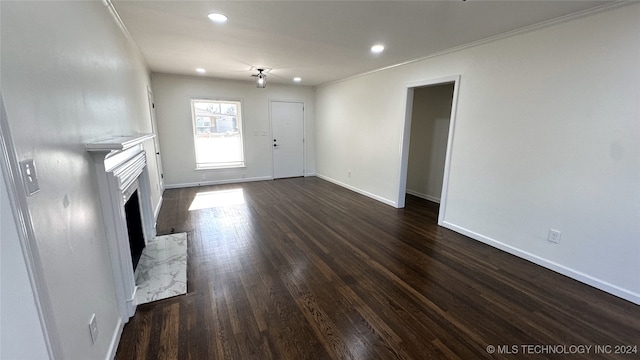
[359, 191]
[125, 31]
[404, 145]
[118, 143]
[221, 168]
[559, 268]
[115, 340]
[217, 182]
[524, 30]
[447, 161]
[157, 156]
[119, 173]
[26, 234]
[424, 196]
[239, 118]
[156, 212]
[406, 134]
[310, 174]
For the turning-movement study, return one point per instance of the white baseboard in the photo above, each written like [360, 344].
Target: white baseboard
[115, 340]
[216, 182]
[359, 191]
[574, 274]
[423, 196]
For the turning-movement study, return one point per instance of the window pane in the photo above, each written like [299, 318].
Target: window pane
[217, 134]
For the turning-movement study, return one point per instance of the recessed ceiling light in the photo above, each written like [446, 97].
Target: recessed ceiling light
[217, 18]
[377, 49]
[297, 79]
[201, 70]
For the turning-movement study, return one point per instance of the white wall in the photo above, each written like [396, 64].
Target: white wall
[70, 76]
[173, 113]
[430, 118]
[547, 136]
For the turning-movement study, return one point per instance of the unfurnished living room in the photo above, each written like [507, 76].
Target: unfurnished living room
[320, 179]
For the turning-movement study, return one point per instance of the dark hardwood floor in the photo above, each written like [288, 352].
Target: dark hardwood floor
[306, 269]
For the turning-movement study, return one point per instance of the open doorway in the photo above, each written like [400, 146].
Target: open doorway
[428, 133]
[430, 121]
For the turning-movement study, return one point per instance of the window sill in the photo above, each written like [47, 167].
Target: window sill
[221, 168]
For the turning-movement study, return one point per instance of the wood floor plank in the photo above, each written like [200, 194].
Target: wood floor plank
[169, 333]
[305, 269]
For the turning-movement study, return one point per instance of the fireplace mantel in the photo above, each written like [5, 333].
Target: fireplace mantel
[118, 143]
[121, 166]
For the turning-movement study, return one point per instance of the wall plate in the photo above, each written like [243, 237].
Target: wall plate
[29, 176]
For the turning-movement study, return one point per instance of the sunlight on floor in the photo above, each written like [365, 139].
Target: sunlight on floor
[212, 199]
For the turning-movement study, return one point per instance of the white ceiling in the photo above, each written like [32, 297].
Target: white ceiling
[320, 41]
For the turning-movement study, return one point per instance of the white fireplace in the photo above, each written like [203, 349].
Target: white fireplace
[121, 168]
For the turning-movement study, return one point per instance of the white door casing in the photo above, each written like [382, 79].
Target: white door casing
[404, 160]
[287, 130]
[156, 145]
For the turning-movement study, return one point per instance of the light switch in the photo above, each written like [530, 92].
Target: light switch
[29, 176]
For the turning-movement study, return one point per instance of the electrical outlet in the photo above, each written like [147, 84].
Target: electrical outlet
[554, 236]
[93, 328]
[349, 173]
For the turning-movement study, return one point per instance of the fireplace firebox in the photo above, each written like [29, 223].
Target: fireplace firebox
[134, 228]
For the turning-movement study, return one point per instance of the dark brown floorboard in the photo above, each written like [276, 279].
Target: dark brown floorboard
[306, 269]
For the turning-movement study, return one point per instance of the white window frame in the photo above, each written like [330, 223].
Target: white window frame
[200, 165]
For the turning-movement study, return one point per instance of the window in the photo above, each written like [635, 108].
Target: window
[217, 133]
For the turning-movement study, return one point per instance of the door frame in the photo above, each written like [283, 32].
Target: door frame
[304, 131]
[406, 134]
[156, 141]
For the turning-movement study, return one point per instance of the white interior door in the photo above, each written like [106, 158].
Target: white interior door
[287, 129]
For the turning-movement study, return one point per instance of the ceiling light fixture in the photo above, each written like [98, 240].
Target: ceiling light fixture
[297, 79]
[217, 18]
[261, 79]
[201, 70]
[377, 49]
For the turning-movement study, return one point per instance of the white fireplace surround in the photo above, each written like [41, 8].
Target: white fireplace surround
[121, 168]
